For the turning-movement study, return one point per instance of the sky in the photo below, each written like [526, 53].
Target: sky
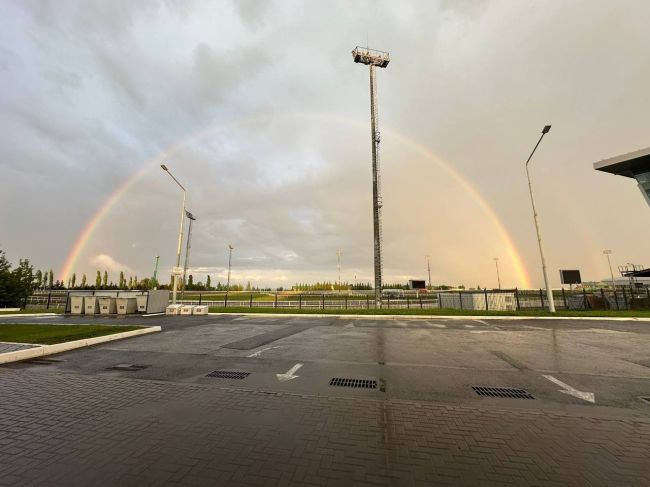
[259, 110]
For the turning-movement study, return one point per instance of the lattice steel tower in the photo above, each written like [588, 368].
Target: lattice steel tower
[373, 59]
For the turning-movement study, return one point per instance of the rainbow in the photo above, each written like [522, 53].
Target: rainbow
[86, 234]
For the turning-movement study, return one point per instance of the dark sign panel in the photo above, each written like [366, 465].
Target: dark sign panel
[570, 277]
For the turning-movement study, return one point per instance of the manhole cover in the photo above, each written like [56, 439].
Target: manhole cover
[228, 374]
[502, 392]
[128, 367]
[358, 383]
[645, 399]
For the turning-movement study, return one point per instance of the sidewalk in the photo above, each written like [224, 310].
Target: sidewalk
[89, 430]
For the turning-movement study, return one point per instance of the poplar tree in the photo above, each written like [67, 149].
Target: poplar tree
[83, 281]
[105, 280]
[98, 280]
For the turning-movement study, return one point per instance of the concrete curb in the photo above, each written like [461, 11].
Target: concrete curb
[42, 350]
[443, 317]
[27, 315]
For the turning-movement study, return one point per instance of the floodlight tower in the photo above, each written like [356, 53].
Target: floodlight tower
[372, 59]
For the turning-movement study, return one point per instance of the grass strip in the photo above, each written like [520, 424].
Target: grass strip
[51, 334]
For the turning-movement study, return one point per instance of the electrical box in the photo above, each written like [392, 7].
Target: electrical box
[91, 305]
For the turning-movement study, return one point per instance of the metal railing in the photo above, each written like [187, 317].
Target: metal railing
[621, 298]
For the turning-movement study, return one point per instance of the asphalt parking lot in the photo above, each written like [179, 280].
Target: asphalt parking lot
[418, 419]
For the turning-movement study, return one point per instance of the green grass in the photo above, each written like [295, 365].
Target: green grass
[31, 311]
[50, 334]
[433, 312]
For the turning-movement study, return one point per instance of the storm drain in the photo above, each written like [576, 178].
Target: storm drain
[502, 392]
[357, 383]
[129, 367]
[228, 374]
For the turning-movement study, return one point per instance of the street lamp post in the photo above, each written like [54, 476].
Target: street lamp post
[188, 246]
[549, 292]
[180, 233]
[230, 248]
[496, 262]
[338, 265]
[428, 270]
[155, 273]
[609, 262]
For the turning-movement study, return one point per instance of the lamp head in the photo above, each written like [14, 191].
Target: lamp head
[546, 129]
[164, 167]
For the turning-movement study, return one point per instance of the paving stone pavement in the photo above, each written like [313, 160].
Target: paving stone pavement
[67, 429]
[12, 347]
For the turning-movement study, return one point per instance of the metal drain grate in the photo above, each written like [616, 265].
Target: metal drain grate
[228, 374]
[502, 392]
[129, 367]
[358, 383]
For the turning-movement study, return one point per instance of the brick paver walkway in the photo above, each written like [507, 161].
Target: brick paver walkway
[66, 429]
[12, 347]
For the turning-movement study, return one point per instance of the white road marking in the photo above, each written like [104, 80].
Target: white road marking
[259, 352]
[567, 389]
[485, 331]
[438, 325]
[289, 373]
[349, 325]
[469, 326]
[152, 314]
[536, 328]
[482, 322]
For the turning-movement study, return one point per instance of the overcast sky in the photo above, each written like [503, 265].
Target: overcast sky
[259, 110]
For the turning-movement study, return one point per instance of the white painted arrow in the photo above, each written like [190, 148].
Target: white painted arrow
[289, 374]
[567, 389]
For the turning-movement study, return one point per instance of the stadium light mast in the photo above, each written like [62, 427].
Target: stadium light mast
[549, 291]
[373, 58]
[188, 245]
[428, 270]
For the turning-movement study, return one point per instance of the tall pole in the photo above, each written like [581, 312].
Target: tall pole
[376, 187]
[549, 292]
[428, 270]
[609, 262]
[180, 234]
[155, 272]
[191, 218]
[230, 248]
[338, 265]
[496, 262]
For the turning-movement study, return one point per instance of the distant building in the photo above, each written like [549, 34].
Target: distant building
[633, 165]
